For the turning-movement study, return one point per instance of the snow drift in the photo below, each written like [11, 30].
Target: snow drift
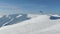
[38, 25]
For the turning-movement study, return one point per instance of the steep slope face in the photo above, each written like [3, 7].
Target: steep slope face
[3, 20]
[18, 18]
[12, 19]
[38, 25]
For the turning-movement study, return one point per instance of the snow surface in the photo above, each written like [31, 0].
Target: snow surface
[1, 16]
[38, 25]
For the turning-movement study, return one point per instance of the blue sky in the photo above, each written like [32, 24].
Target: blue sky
[30, 6]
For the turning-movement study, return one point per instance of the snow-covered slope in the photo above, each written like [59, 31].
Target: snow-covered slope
[41, 24]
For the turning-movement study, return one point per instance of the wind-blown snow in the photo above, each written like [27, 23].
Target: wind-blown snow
[38, 25]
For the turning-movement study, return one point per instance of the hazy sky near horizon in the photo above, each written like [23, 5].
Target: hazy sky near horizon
[29, 6]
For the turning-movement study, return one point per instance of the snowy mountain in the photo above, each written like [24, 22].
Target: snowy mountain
[32, 24]
[12, 19]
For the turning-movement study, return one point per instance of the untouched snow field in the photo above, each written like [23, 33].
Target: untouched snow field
[41, 24]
